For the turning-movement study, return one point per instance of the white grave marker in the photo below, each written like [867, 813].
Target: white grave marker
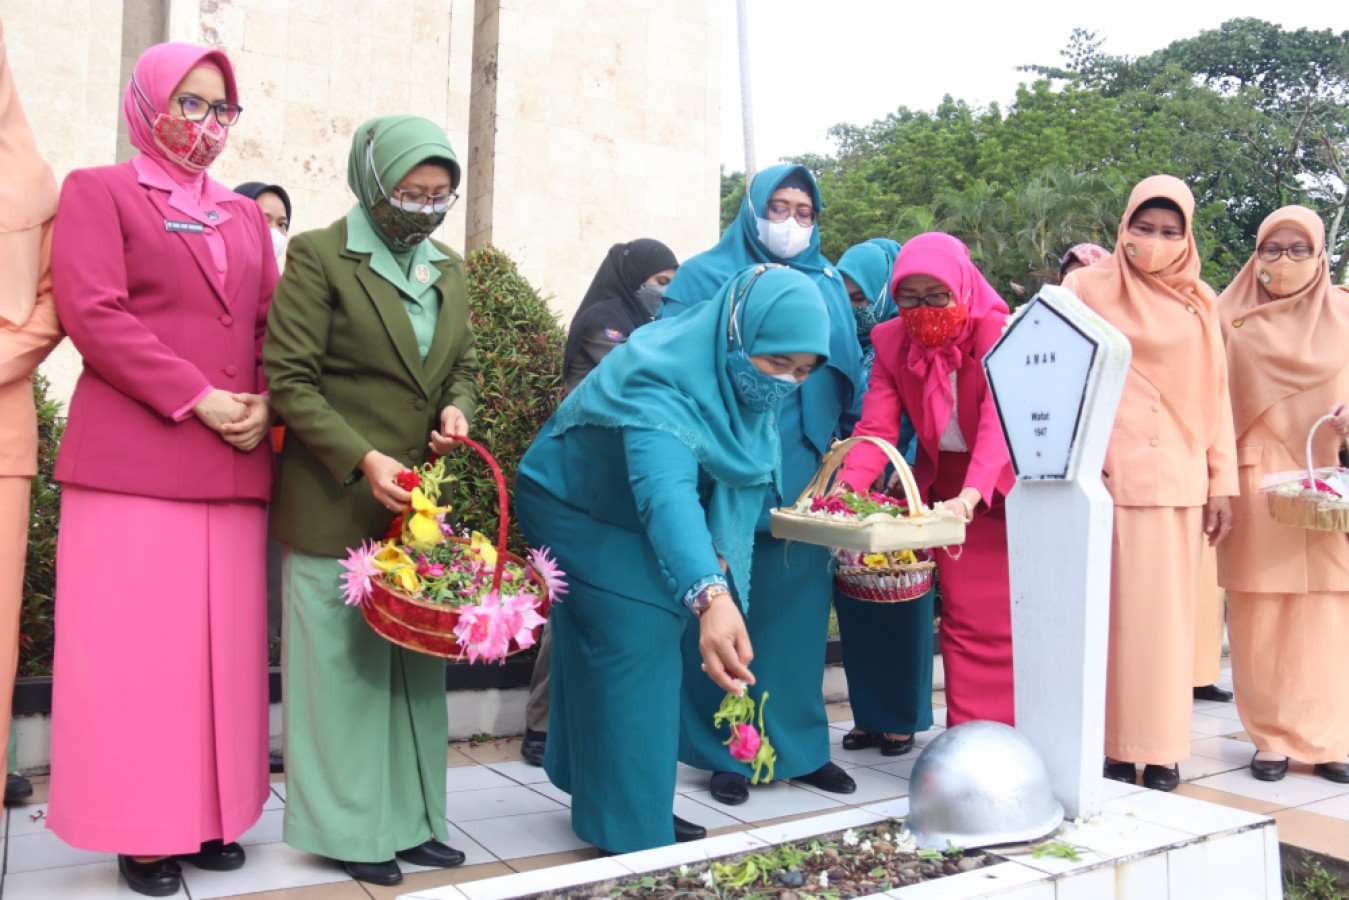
[1056, 376]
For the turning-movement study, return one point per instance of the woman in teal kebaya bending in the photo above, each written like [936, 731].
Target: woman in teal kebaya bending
[647, 483]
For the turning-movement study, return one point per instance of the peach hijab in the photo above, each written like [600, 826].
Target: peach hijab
[27, 200]
[1168, 316]
[1280, 346]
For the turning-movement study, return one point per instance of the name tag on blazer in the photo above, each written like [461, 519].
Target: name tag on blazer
[190, 227]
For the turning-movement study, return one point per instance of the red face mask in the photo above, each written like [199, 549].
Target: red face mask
[193, 145]
[932, 326]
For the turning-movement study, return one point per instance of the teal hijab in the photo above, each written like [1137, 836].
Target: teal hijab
[822, 400]
[871, 264]
[674, 376]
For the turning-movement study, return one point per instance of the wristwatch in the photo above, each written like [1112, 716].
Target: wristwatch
[703, 599]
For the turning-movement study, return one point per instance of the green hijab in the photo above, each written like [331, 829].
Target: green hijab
[384, 150]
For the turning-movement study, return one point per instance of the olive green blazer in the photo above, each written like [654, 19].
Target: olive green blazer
[345, 376]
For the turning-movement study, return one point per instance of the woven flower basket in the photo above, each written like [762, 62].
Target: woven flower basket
[416, 624]
[1293, 503]
[920, 529]
[891, 583]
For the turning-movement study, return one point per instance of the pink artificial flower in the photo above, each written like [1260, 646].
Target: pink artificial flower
[551, 573]
[428, 569]
[744, 743]
[480, 630]
[522, 618]
[358, 580]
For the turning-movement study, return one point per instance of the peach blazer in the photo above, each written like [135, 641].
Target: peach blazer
[22, 347]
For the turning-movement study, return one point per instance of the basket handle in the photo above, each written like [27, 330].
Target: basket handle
[502, 504]
[839, 450]
[1311, 466]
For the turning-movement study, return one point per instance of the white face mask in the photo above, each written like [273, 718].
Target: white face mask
[279, 243]
[785, 239]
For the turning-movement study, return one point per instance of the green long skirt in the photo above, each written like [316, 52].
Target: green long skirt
[366, 727]
[788, 622]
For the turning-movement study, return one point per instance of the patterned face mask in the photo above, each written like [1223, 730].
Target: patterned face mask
[193, 145]
[405, 229]
[758, 390]
[868, 317]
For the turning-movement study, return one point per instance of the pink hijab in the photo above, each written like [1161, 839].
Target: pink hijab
[27, 200]
[945, 258]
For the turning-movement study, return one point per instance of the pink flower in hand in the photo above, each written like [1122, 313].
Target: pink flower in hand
[744, 744]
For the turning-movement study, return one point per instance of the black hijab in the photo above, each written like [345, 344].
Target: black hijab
[611, 300]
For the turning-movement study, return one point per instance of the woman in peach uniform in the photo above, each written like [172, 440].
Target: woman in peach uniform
[1170, 468]
[1286, 328]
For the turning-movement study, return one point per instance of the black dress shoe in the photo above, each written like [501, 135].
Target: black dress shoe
[17, 788]
[829, 777]
[1269, 769]
[533, 746]
[686, 831]
[1337, 772]
[1161, 778]
[860, 740]
[276, 762]
[433, 853]
[161, 878]
[216, 856]
[1121, 771]
[896, 748]
[730, 788]
[384, 873]
[1214, 693]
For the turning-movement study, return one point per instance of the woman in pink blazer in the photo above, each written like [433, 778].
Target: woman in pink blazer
[162, 278]
[929, 363]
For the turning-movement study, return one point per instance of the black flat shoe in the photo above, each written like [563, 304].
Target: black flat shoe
[1337, 772]
[161, 878]
[1214, 693]
[434, 854]
[829, 777]
[860, 740]
[1161, 778]
[1269, 769]
[1121, 771]
[17, 788]
[276, 763]
[533, 746]
[216, 856]
[686, 831]
[382, 873]
[896, 748]
[730, 788]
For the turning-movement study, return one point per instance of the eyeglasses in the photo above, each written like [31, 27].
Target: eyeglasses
[195, 109]
[436, 202]
[779, 210]
[939, 298]
[1297, 252]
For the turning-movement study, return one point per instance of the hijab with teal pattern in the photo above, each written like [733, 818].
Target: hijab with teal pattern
[700, 278]
[675, 376]
[870, 264]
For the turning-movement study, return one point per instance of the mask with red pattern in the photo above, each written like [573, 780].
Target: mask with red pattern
[933, 326]
[192, 145]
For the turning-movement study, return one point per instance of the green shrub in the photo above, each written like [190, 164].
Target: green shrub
[520, 348]
[36, 634]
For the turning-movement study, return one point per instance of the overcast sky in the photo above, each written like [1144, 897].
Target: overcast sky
[816, 63]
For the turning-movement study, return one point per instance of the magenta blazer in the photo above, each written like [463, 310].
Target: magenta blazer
[141, 300]
[895, 389]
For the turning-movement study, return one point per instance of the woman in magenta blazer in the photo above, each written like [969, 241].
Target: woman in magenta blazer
[163, 277]
[929, 363]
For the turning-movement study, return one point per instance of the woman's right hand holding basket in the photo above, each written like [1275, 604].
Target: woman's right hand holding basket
[724, 642]
[1341, 413]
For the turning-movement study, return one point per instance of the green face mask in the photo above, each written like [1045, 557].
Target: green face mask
[405, 229]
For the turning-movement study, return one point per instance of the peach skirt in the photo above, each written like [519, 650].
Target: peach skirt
[1208, 621]
[1153, 578]
[1289, 669]
[13, 550]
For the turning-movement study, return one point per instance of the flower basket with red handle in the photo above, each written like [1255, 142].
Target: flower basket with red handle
[380, 576]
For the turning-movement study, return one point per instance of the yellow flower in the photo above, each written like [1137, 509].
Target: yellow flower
[423, 526]
[905, 558]
[484, 548]
[874, 560]
[400, 568]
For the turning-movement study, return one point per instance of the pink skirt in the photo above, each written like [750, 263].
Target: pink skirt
[159, 702]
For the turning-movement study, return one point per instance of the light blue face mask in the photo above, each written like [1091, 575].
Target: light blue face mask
[758, 390]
